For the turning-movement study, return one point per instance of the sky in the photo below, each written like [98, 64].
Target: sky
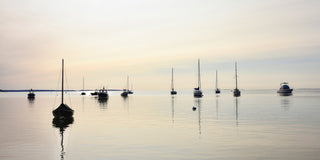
[106, 41]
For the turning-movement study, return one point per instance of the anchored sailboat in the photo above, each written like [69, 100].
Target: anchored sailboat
[173, 92]
[217, 89]
[63, 111]
[197, 91]
[236, 91]
[126, 90]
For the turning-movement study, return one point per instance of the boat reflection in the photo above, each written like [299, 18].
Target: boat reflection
[103, 103]
[237, 111]
[198, 104]
[285, 103]
[126, 103]
[172, 108]
[31, 100]
[62, 124]
[217, 107]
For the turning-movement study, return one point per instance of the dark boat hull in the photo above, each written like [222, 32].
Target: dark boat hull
[236, 93]
[94, 93]
[173, 92]
[124, 94]
[31, 95]
[63, 111]
[217, 91]
[197, 93]
[103, 96]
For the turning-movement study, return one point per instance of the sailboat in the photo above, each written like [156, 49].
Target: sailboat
[173, 92]
[236, 91]
[130, 91]
[63, 111]
[217, 89]
[125, 91]
[197, 91]
[83, 93]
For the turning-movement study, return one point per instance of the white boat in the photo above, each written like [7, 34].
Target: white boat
[217, 89]
[173, 92]
[197, 91]
[236, 91]
[63, 111]
[285, 89]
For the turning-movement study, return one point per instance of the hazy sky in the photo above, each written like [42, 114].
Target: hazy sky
[104, 41]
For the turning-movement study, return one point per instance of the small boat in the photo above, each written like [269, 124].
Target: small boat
[125, 91]
[95, 93]
[63, 111]
[130, 92]
[236, 91]
[285, 89]
[173, 92]
[83, 93]
[197, 91]
[217, 89]
[31, 94]
[103, 94]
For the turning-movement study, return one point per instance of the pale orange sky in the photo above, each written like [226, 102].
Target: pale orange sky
[104, 41]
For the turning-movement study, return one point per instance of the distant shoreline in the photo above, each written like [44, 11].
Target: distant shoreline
[48, 90]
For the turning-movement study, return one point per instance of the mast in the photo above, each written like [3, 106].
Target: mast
[62, 81]
[199, 80]
[82, 83]
[127, 83]
[172, 79]
[236, 75]
[216, 79]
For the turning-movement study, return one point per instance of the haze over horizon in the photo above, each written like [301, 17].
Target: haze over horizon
[104, 41]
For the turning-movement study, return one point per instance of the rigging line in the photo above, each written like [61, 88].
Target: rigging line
[67, 87]
[57, 88]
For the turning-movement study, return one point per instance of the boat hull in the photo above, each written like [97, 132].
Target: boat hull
[31, 95]
[197, 93]
[124, 94]
[94, 93]
[218, 91]
[103, 96]
[285, 92]
[236, 93]
[63, 111]
[173, 92]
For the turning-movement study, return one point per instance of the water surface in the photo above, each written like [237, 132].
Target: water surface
[155, 125]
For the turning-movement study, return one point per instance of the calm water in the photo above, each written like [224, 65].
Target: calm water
[153, 125]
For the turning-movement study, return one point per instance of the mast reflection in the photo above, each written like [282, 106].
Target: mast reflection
[62, 124]
[198, 104]
[172, 109]
[237, 112]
